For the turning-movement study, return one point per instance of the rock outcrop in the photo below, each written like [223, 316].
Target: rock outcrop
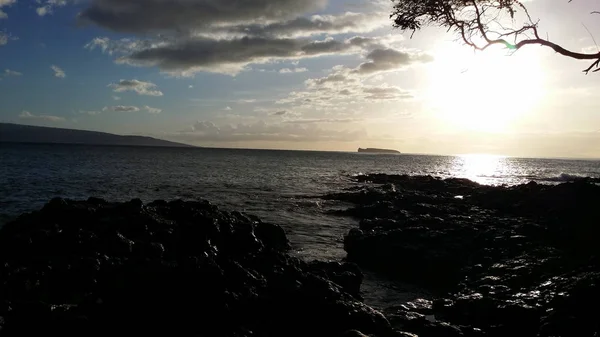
[94, 268]
[503, 261]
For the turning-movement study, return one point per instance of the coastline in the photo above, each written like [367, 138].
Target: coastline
[496, 259]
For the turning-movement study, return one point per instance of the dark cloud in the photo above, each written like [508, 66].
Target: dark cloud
[365, 42]
[390, 59]
[155, 15]
[318, 24]
[230, 56]
[380, 60]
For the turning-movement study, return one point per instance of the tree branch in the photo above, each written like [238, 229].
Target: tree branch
[471, 19]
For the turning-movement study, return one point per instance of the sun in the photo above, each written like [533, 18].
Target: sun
[483, 91]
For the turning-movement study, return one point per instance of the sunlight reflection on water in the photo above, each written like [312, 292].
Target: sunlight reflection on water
[483, 168]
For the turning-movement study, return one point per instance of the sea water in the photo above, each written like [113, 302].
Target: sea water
[282, 187]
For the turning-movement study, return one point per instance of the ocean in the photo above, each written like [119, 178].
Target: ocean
[282, 187]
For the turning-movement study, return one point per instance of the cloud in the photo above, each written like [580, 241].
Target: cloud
[590, 49]
[4, 38]
[343, 95]
[187, 56]
[292, 71]
[43, 11]
[345, 85]
[29, 116]
[279, 113]
[183, 37]
[324, 120]
[116, 98]
[151, 110]
[121, 46]
[340, 75]
[230, 56]
[58, 72]
[262, 131]
[348, 22]
[141, 16]
[4, 3]
[227, 108]
[90, 112]
[385, 92]
[381, 60]
[48, 7]
[229, 18]
[140, 87]
[121, 108]
[8, 72]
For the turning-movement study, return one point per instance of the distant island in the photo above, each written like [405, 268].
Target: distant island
[17, 133]
[373, 150]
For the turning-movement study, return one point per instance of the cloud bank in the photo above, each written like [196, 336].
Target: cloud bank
[140, 16]
[183, 37]
[203, 131]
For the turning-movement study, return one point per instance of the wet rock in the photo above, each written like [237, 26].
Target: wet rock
[353, 333]
[347, 275]
[95, 268]
[272, 236]
[502, 261]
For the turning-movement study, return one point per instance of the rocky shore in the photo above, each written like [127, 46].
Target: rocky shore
[501, 261]
[94, 268]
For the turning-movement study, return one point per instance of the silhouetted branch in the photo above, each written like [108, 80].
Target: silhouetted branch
[473, 21]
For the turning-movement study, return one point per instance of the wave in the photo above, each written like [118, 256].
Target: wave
[511, 179]
[566, 177]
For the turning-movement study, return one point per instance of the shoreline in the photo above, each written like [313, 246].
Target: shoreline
[484, 252]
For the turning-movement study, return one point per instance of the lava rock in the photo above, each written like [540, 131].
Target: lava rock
[95, 268]
[519, 260]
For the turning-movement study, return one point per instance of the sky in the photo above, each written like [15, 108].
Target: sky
[288, 74]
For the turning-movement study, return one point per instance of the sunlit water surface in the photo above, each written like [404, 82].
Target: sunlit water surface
[279, 186]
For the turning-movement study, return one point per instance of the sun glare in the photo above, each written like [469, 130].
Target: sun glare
[483, 91]
[481, 168]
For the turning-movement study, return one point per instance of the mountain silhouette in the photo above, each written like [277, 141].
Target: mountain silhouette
[18, 133]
